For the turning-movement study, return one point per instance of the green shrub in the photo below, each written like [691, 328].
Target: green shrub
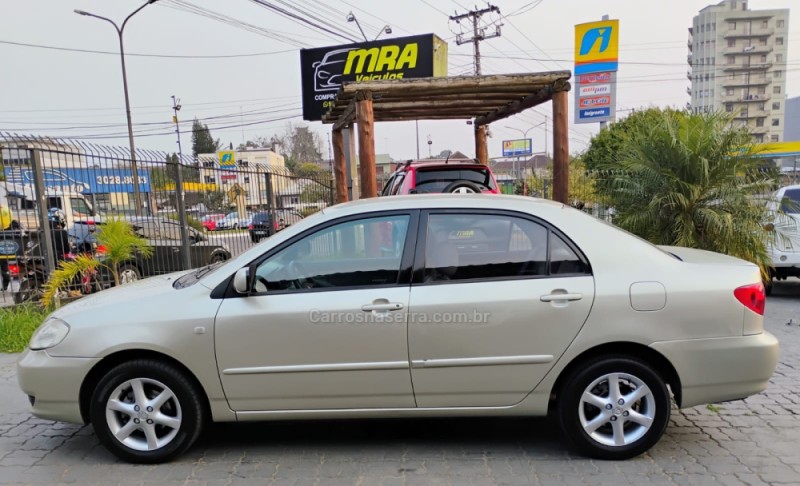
[17, 325]
[193, 223]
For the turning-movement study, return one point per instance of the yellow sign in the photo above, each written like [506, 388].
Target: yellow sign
[193, 187]
[596, 47]
[778, 149]
[227, 158]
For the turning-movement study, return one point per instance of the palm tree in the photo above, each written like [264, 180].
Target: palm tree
[693, 180]
[120, 243]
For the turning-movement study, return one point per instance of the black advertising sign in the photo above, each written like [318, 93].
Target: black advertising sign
[324, 69]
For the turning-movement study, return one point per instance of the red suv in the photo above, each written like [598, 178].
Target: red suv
[423, 177]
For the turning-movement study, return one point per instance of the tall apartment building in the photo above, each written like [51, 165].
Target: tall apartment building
[738, 64]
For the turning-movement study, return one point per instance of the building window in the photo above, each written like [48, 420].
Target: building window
[246, 180]
[764, 24]
[210, 180]
[760, 122]
[731, 42]
[762, 90]
[729, 92]
[779, 41]
[776, 106]
[776, 90]
[729, 107]
[745, 113]
[732, 60]
[244, 163]
[763, 58]
[775, 138]
[777, 74]
[762, 41]
[208, 164]
[776, 122]
[758, 138]
[762, 107]
[778, 57]
[781, 24]
[731, 25]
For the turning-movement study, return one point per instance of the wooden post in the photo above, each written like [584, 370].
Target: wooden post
[481, 150]
[560, 147]
[366, 147]
[339, 169]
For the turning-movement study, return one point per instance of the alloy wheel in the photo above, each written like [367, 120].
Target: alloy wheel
[617, 409]
[143, 414]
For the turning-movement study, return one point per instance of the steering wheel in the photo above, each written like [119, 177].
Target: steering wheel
[296, 269]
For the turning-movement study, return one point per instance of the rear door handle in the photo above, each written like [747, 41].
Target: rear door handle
[389, 306]
[560, 297]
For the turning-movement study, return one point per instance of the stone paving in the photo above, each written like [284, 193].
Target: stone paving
[748, 442]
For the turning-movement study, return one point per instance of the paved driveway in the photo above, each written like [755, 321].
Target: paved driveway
[754, 441]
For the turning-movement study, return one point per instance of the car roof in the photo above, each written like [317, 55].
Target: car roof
[443, 201]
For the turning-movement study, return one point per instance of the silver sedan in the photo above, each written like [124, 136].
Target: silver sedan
[440, 305]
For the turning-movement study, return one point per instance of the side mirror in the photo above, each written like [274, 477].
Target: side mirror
[241, 281]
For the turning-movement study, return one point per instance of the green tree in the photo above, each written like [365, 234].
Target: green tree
[692, 180]
[603, 150]
[166, 177]
[202, 141]
[315, 191]
[121, 243]
[216, 201]
[309, 169]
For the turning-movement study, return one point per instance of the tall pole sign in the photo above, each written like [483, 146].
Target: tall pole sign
[596, 61]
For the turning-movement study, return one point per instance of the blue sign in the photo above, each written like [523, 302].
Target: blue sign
[594, 113]
[90, 180]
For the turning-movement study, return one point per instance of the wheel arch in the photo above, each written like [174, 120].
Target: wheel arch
[648, 355]
[101, 368]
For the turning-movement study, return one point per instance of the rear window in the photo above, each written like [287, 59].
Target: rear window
[436, 180]
[261, 217]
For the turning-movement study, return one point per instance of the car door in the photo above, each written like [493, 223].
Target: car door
[496, 298]
[326, 325]
[161, 259]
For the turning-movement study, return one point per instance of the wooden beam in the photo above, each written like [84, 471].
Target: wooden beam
[392, 117]
[435, 105]
[345, 118]
[464, 96]
[518, 106]
[366, 148]
[481, 150]
[560, 147]
[339, 167]
[456, 83]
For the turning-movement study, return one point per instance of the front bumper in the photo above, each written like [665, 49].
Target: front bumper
[782, 259]
[54, 384]
[721, 369]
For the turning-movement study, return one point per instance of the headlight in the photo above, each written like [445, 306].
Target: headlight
[49, 334]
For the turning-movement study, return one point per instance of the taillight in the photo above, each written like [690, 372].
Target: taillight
[752, 296]
[276, 225]
[250, 226]
[13, 269]
[101, 249]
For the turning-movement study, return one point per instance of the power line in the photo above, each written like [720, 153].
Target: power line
[300, 19]
[165, 56]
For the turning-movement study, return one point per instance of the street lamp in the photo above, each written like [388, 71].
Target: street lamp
[137, 198]
[351, 17]
[386, 29]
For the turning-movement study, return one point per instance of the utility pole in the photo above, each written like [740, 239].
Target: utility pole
[478, 33]
[186, 260]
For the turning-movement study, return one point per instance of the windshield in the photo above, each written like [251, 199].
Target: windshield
[790, 203]
[436, 180]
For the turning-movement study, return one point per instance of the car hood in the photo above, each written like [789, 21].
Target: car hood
[117, 297]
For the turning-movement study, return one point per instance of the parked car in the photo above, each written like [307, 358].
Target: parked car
[432, 305]
[460, 177]
[261, 225]
[232, 221]
[209, 221]
[163, 235]
[784, 249]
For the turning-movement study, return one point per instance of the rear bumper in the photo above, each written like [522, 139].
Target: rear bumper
[721, 369]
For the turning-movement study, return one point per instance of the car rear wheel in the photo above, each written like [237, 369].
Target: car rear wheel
[146, 411]
[614, 408]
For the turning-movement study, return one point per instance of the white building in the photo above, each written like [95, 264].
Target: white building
[737, 60]
[249, 173]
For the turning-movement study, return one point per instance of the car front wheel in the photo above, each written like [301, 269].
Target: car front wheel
[146, 411]
[614, 408]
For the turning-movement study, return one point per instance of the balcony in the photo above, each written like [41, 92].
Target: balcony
[758, 130]
[749, 98]
[758, 66]
[750, 114]
[741, 50]
[689, 91]
[689, 59]
[689, 74]
[745, 81]
[744, 33]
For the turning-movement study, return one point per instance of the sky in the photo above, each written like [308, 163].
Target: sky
[242, 76]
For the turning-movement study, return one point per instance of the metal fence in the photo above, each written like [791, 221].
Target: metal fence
[191, 211]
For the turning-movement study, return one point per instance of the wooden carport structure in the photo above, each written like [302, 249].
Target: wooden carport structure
[483, 99]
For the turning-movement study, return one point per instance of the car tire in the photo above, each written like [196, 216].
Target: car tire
[589, 410]
[254, 238]
[128, 274]
[161, 431]
[462, 187]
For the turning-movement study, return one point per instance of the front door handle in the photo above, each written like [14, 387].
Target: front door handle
[560, 297]
[382, 307]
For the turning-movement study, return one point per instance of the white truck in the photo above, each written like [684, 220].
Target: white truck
[20, 199]
[784, 248]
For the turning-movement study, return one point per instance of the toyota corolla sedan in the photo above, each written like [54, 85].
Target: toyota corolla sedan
[426, 305]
